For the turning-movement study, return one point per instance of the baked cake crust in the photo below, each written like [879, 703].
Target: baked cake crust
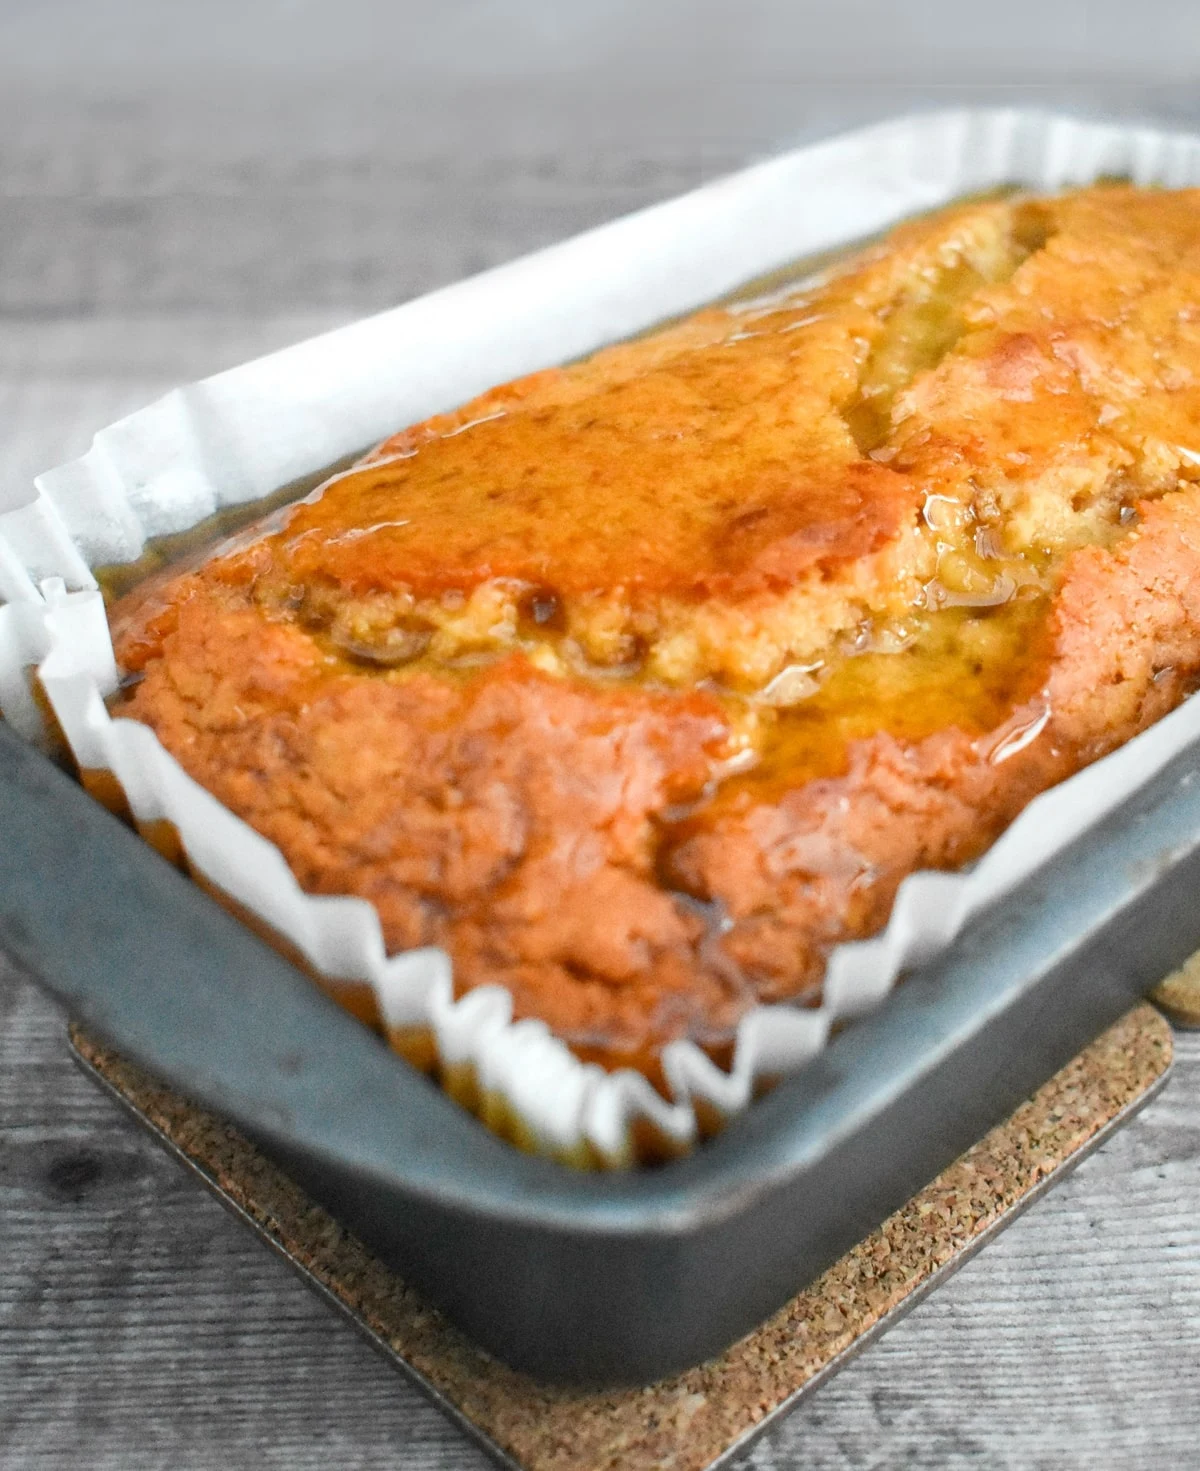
[639, 684]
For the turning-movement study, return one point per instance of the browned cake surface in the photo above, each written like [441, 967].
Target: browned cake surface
[639, 684]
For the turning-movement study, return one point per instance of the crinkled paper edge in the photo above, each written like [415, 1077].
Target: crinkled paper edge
[238, 437]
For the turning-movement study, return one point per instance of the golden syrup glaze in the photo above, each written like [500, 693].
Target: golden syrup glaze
[962, 668]
[694, 503]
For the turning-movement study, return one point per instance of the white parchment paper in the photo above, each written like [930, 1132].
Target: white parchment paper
[243, 434]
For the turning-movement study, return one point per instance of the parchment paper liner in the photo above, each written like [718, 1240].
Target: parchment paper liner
[239, 436]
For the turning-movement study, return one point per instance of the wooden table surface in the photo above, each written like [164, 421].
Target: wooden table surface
[177, 195]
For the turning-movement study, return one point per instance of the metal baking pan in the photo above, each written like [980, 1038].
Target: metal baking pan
[596, 1279]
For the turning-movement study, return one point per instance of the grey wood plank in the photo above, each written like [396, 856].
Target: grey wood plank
[233, 198]
[64, 378]
[859, 42]
[143, 1320]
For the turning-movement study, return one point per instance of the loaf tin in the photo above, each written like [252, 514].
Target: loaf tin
[603, 1279]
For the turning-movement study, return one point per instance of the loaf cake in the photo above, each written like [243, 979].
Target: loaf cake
[640, 684]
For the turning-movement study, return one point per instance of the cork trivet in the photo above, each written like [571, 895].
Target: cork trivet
[1179, 994]
[708, 1415]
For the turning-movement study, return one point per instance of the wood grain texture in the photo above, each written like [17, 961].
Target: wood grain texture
[174, 202]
